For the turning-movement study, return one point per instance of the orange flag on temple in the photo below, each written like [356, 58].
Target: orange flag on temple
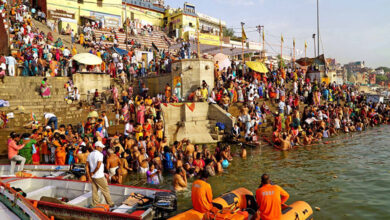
[191, 106]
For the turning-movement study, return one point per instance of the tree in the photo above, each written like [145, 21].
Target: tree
[381, 78]
[386, 69]
[229, 32]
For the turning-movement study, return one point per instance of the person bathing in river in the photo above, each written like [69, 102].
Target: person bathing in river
[180, 179]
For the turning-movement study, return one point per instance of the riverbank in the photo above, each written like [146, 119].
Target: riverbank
[347, 178]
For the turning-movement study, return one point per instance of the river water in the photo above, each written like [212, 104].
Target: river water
[348, 178]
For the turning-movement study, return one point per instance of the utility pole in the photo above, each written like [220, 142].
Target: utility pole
[314, 38]
[318, 28]
[242, 42]
[259, 27]
[294, 53]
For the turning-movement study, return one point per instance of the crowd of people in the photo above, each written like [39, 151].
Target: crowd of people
[306, 113]
[40, 54]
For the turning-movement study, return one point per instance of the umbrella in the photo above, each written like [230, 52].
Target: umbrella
[88, 59]
[93, 114]
[257, 66]
[223, 60]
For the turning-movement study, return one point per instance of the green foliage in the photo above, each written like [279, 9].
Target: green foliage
[386, 69]
[229, 32]
[381, 78]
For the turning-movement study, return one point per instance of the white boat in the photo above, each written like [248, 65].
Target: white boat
[14, 206]
[70, 199]
[48, 171]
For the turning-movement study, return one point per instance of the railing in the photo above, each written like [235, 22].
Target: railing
[13, 200]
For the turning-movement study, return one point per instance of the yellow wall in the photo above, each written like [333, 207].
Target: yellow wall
[112, 7]
[150, 16]
[182, 22]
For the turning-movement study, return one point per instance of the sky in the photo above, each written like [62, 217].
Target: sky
[350, 30]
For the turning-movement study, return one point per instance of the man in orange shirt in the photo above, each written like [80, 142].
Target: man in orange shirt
[201, 194]
[270, 199]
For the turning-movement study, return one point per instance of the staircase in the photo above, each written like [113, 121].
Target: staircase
[24, 98]
[159, 38]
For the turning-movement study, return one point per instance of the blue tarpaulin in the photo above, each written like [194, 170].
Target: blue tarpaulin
[120, 51]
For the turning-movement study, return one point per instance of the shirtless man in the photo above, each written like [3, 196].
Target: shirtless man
[243, 152]
[163, 143]
[82, 157]
[143, 159]
[129, 143]
[113, 162]
[285, 142]
[124, 167]
[180, 179]
[189, 150]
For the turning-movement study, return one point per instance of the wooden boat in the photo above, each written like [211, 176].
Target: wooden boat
[70, 199]
[244, 143]
[48, 171]
[240, 204]
[15, 206]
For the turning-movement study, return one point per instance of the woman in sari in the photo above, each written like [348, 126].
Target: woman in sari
[115, 94]
[141, 113]
[168, 91]
[126, 113]
[45, 89]
[27, 150]
[82, 39]
[26, 68]
[50, 37]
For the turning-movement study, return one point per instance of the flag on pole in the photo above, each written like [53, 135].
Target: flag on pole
[294, 42]
[243, 34]
[263, 35]
[220, 29]
[197, 24]
[305, 44]
[281, 38]
[33, 117]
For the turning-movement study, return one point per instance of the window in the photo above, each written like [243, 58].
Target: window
[190, 24]
[80, 1]
[100, 3]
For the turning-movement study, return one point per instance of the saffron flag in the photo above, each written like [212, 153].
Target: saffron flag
[305, 44]
[281, 39]
[294, 42]
[191, 106]
[263, 35]
[243, 35]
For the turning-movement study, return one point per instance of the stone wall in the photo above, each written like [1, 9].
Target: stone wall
[192, 73]
[198, 125]
[156, 84]
[91, 82]
[216, 113]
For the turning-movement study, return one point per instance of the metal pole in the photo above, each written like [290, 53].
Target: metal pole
[318, 28]
[198, 33]
[127, 27]
[242, 43]
[294, 54]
